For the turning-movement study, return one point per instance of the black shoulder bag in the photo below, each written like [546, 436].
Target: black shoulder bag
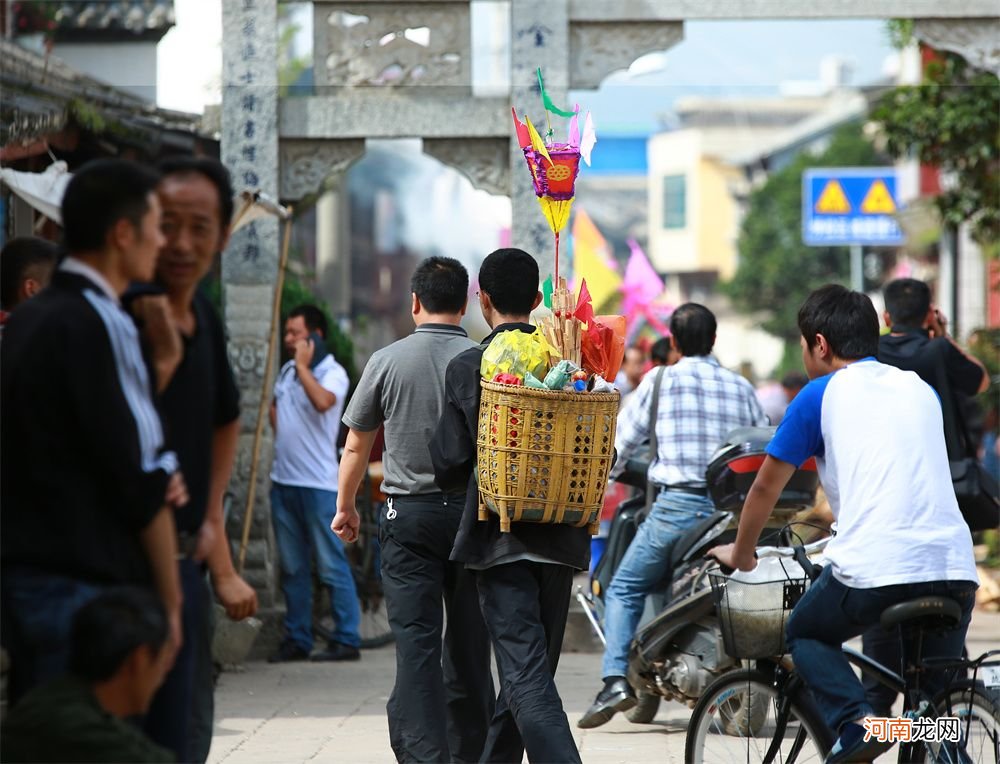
[976, 489]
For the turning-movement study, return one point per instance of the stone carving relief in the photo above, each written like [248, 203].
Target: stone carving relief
[597, 49]
[485, 161]
[308, 167]
[978, 40]
[392, 44]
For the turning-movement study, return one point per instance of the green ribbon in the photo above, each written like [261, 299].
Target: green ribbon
[547, 292]
[549, 106]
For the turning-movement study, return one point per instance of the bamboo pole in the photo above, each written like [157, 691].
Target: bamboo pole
[264, 397]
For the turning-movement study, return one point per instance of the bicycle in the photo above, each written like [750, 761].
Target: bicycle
[764, 712]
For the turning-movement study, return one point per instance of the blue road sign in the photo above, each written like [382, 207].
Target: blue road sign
[850, 205]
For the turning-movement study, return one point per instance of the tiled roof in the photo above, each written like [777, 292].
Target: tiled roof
[104, 20]
[42, 96]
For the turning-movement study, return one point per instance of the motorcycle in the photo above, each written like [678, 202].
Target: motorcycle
[677, 649]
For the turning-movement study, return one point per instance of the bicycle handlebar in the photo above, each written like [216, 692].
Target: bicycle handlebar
[797, 551]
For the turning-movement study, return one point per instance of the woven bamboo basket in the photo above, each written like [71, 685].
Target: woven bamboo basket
[544, 456]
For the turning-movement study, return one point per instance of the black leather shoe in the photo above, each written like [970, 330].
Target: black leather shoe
[288, 651]
[337, 651]
[615, 697]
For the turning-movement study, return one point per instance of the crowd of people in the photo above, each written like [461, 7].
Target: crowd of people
[119, 434]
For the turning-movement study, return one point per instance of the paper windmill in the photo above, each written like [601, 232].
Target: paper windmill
[554, 166]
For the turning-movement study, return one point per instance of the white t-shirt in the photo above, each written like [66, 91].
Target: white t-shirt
[877, 434]
[305, 444]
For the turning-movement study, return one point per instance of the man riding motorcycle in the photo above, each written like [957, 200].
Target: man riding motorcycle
[699, 403]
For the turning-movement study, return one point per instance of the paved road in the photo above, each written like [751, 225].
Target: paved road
[272, 714]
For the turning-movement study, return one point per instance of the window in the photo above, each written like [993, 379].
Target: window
[674, 202]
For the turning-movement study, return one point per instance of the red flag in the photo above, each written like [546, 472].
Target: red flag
[584, 308]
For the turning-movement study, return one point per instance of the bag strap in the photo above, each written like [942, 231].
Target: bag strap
[654, 411]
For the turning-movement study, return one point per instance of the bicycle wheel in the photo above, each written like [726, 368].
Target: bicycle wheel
[737, 719]
[979, 725]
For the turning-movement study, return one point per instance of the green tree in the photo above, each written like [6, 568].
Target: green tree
[777, 270]
[952, 121]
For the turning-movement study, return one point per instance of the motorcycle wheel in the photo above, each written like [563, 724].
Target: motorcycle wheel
[645, 710]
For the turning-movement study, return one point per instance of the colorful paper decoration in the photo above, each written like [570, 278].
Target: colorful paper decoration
[555, 166]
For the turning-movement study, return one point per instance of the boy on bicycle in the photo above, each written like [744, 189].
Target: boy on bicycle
[877, 436]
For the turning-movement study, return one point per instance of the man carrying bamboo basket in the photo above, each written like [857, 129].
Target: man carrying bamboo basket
[524, 576]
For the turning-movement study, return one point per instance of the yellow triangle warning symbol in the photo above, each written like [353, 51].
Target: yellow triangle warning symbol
[878, 200]
[833, 200]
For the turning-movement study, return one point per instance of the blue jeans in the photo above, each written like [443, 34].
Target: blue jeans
[831, 613]
[645, 564]
[301, 519]
[38, 610]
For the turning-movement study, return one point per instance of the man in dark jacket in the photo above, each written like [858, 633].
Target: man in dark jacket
[87, 488]
[918, 341]
[524, 577]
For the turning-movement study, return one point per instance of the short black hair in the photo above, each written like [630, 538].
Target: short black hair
[101, 193]
[660, 352]
[510, 277]
[213, 170]
[847, 319]
[794, 380]
[111, 626]
[441, 284]
[314, 318]
[20, 255]
[693, 327]
[907, 302]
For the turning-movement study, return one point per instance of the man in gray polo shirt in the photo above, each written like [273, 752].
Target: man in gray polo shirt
[439, 710]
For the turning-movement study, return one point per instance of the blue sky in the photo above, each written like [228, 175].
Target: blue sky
[735, 58]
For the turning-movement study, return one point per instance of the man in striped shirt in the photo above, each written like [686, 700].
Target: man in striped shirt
[88, 489]
[699, 404]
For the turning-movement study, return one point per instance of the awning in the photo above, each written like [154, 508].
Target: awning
[42, 190]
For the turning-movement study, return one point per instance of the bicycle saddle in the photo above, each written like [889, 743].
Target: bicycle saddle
[924, 613]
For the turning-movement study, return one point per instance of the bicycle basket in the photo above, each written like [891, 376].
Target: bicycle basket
[752, 614]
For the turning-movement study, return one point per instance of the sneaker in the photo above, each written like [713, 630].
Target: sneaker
[337, 651]
[286, 652]
[616, 696]
[851, 746]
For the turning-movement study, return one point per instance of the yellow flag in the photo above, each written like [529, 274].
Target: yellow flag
[536, 140]
[592, 261]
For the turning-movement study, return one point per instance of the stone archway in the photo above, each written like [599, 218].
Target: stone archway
[380, 75]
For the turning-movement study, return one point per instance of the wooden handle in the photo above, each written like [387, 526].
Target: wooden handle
[264, 397]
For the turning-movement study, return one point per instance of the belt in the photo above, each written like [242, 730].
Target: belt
[690, 489]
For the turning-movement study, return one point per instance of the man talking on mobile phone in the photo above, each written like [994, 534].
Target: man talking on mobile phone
[305, 414]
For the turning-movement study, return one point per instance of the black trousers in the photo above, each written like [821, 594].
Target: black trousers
[171, 714]
[525, 606]
[441, 704]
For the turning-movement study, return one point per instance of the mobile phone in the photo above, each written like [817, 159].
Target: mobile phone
[319, 349]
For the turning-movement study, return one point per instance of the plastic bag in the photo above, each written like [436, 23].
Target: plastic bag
[560, 376]
[603, 346]
[516, 353]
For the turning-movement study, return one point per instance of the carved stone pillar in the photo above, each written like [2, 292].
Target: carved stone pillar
[250, 263]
